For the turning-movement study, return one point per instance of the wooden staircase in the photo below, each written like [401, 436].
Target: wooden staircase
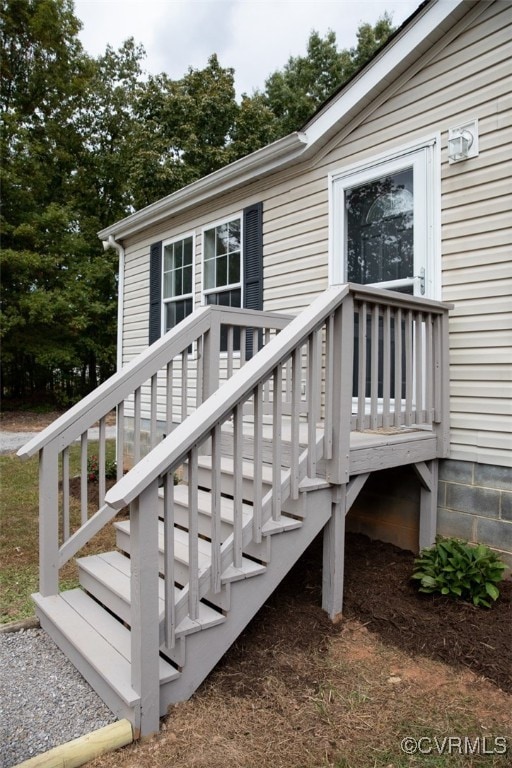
[91, 624]
[263, 439]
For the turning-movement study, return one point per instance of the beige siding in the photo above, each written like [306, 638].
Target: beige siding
[467, 78]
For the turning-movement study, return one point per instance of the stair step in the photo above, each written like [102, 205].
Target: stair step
[226, 478]
[248, 568]
[247, 468]
[107, 577]
[102, 665]
[204, 509]
[111, 630]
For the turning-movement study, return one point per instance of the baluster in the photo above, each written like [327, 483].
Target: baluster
[314, 371]
[276, 443]
[386, 367]
[215, 510]
[84, 479]
[361, 380]
[266, 393]
[193, 536]
[101, 461]
[329, 386]
[169, 392]
[295, 425]
[184, 384]
[418, 352]
[170, 608]
[153, 411]
[230, 351]
[237, 485]
[288, 384]
[243, 346]
[258, 458]
[408, 368]
[429, 369]
[65, 494]
[136, 424]
[199, 372]
[120, 441]
[374, 368]
[398, 367]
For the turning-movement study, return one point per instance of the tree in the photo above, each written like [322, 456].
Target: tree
[184, 130]
[294, 93]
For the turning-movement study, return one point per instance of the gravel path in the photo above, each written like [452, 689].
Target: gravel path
[12, 441]
[44, 701]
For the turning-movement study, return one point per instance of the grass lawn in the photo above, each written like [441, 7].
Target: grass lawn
[19, 532]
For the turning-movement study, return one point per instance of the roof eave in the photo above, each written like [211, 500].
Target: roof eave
[260, 163]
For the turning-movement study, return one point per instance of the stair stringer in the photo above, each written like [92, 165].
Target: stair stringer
[205, 649]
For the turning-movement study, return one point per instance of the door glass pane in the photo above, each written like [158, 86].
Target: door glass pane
[380, 229]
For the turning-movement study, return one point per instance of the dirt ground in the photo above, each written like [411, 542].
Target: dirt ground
[296, 691]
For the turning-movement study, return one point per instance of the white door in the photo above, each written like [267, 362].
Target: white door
[382, 225]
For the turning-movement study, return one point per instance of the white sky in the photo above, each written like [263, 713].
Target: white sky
[255, 37]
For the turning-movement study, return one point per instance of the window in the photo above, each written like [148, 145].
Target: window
[227, 280]
[222, 260]
[380, 229]
[222, 256]
[178, 281]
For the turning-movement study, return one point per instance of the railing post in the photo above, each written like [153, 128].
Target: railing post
[145, 633]
[48, 521]
[338, 469]
[442, 385]
[211, 354]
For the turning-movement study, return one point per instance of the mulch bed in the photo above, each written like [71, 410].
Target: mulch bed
[378, 593]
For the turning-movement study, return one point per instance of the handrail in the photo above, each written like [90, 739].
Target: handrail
[174, 448]
[72, 424]
[81, 416]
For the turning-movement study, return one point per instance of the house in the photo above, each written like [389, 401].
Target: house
[319, 331]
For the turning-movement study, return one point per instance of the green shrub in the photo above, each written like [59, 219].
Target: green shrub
[93, 469]
[458, 569]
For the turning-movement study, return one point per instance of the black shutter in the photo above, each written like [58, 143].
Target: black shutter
[155, 292]
[253, 263]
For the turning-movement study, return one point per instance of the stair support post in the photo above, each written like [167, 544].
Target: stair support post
[48, 521]
[338, 468]
[145, 609]
[427, 473]
[334, 555]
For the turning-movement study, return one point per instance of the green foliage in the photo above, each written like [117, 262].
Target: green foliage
[294, 93]
[458, 569]
[86, 141]
[93, 469]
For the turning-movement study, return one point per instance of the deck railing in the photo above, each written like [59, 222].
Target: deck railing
[393, 333]
[154, 389]
[356, 358]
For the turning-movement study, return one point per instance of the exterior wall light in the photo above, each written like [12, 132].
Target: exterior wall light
[463, 142]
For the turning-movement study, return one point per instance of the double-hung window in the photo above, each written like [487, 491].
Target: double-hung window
[178, 280]
[222, 253]
[222, 270]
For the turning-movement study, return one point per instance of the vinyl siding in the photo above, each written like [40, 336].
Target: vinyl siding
[469, 77]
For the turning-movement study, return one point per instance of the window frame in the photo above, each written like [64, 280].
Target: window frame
[238, 216]
[170, 299]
